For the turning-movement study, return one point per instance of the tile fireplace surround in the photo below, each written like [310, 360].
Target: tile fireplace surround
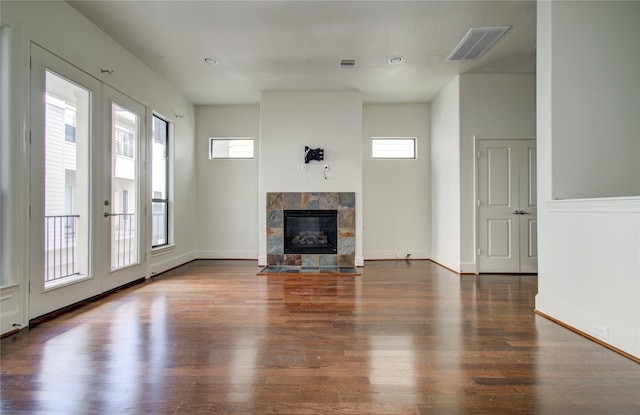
[343, 202]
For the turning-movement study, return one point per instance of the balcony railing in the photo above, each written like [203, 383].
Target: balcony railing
[60, 246]
[124, 249]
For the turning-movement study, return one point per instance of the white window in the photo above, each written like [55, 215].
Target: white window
[231, 147]
[70, 124]
[160, 183]
[125, 142]
[393, 147]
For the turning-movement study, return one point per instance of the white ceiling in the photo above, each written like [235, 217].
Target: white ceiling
[297, 45]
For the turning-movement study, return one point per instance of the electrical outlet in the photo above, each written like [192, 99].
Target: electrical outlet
[600, 331]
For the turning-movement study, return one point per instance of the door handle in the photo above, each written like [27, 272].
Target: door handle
[517, 212]
[107, 214]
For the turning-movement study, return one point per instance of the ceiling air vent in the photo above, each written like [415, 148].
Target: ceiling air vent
[347, 63]
[476, 42]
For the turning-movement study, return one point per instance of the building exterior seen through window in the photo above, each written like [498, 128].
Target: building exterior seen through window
[66, 186]
[125, 162]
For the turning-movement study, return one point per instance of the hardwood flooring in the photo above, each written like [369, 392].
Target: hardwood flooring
[403, 338]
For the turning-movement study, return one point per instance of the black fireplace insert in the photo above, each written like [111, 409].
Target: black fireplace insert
[310, 231]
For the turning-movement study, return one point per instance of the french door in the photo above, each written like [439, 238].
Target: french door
[86, 230]
[507, 206]
[122, 202]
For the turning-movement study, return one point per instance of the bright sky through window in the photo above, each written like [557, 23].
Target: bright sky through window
[393, 148]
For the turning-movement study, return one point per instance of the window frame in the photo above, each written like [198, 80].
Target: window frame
[415, 148]
[166, 201]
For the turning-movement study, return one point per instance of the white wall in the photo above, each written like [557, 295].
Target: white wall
[61, 29]
[227, 189]
[599, 101]
[396, 196]
[491, 106]
[589, 249]
[289, 121]
[445, 176]
[165, 101]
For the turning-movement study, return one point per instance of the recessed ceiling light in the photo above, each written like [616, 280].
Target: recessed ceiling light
[396, 59]
[210, 61]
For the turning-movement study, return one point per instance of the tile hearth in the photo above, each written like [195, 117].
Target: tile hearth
[343, 202]
[298, 270]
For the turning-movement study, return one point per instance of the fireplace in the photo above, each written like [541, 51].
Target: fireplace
[310, 231]
[342, 236]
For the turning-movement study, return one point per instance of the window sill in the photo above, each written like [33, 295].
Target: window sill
[162, 250]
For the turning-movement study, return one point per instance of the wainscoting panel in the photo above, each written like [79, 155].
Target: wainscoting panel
[10, 308]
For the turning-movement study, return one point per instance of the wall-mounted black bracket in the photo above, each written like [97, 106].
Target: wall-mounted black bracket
[313, 154]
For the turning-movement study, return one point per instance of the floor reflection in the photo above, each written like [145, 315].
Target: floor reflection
[392, 362]
[66, 369]
[122, 372]
[403, 338]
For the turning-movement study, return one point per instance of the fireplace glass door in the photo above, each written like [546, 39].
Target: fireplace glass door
[310, 231]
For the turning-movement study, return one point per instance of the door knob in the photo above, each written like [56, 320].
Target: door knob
[517, 212]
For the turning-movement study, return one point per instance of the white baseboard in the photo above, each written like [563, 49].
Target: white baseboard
[214, 254]
[162, 265]
[617, 335]
[467, 267]
[399, 254]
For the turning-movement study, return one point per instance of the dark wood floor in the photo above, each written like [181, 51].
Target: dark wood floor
[404, 338]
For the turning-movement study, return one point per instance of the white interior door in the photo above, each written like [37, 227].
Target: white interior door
[528, 218]
[507, 225]
[73, 175]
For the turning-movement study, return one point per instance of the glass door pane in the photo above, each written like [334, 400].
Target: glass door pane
[66, 181]
[125, 127]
